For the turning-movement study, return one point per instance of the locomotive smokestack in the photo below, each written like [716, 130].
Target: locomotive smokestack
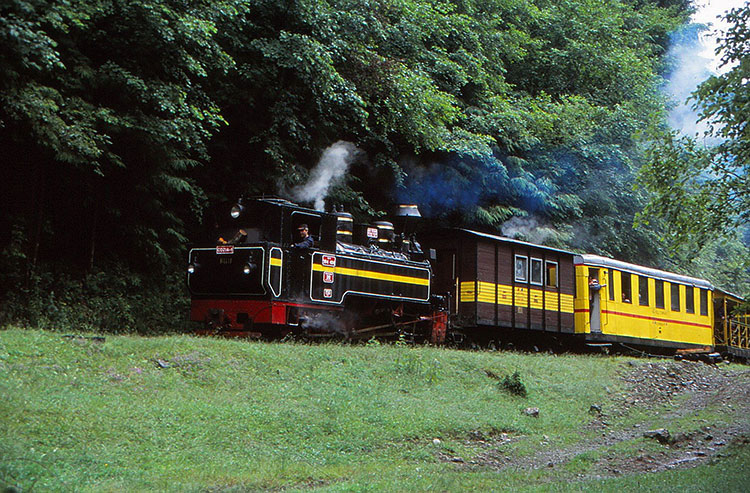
[406, 217]
[407, 210]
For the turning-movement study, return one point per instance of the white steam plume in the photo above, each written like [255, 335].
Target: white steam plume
[692, 69]
[696, 60]
[526, 229]
[331, 168]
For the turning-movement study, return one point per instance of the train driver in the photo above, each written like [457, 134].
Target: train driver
[306, 240]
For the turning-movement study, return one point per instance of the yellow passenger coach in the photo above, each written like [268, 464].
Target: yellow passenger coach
[621, 302]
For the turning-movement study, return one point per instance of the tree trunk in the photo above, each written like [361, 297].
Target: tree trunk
[38, 198]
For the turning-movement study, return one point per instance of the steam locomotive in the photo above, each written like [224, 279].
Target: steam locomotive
[356, 282]
[254, 279]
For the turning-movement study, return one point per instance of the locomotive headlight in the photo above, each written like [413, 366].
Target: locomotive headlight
[236, 211]
[191, 268]
[248, 268]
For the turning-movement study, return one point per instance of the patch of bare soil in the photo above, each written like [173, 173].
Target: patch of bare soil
[677, 390]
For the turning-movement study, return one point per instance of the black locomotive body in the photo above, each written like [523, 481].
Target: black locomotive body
[253, 279]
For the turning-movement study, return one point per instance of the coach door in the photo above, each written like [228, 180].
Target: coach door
[594, 301]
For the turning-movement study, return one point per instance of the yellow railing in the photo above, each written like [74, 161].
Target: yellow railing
[739, 334]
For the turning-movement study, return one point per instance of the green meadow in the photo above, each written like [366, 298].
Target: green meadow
[179, 413]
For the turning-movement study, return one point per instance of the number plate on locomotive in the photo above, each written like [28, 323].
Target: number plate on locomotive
[224, 249]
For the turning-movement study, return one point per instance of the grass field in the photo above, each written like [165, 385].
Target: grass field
[196, 414]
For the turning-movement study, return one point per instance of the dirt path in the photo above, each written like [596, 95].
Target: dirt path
[681, 388]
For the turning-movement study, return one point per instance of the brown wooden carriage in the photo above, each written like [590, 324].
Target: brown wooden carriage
[497, 282]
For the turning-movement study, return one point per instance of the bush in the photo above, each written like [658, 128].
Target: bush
[513, 384]
[114, 300]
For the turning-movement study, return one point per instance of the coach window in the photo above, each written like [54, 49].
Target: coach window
[643, 290]
[675, 291]
[689, 299]
[659, 292]
[627, 287]
[704, 302]
[536, 271]
[522, 268]
[551, 275]
[611, 284]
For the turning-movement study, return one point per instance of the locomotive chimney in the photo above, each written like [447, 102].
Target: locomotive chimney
[407, 210]
[406, 217]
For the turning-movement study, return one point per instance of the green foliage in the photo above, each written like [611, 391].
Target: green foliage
[122, 120]
[105, 102]
[701, 191]
[725, 261]
[114, 300]
[723, 101]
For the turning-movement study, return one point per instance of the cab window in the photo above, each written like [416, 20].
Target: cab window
[313, 226]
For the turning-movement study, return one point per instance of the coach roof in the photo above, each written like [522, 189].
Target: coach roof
[504, 239]
[597, 261]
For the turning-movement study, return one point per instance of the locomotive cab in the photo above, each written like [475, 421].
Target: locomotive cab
[248, 261]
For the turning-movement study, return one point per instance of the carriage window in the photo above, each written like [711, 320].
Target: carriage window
[536, 271]
[675, 289]
[643, 291]
[627, 287]
[522, 268]
[704, 302]
[611, 284]
[659, 292]
[551, 275]
[689, 300]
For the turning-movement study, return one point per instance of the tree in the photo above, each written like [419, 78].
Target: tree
[701, 192]
[103, 114]
[724, 102]
[121, 119]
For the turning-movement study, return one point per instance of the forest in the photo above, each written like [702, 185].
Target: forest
[124, 125]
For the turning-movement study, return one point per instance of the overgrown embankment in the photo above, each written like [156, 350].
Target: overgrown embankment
[183, 413]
